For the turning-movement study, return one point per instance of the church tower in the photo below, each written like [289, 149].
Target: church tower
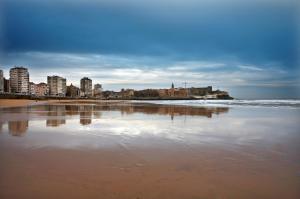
[172, 90]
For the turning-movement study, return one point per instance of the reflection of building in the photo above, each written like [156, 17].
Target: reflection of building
[173, 110]
[86, 115]
[97, 112]
[17, 128]
[19, 80]
[1, 81]
[97, 90]
[170, 110]
[57, 85]
[56, 115]
[72, 110]
[86, 87]
[127, 110]
[73, 91]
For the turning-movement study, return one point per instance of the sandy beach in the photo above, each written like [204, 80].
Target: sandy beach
[26, 102]
[80, 149]
[19, 102]
[174, 173]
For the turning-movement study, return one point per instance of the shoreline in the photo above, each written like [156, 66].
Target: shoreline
[30, 97]
[8, 103]
[31, 101]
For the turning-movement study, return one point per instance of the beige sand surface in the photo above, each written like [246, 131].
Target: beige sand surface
[234, 164]
[176, 173]
[19, 102]
[26, 102]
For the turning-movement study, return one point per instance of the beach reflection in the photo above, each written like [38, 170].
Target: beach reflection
[17, 128]
[57, 115]
[85, 114]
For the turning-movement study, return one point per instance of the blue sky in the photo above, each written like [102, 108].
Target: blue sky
[248, 48]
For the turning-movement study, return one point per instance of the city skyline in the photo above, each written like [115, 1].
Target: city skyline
[19, 83]
[79, 85]
[249, 49]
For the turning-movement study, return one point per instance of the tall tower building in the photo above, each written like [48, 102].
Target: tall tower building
[86, 86]
[57, 86]
[19, 80]
[1, 82]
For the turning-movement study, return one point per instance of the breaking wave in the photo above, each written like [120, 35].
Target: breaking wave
[228, 103]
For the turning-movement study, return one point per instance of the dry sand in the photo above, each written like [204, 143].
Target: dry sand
[4, 103]
[19, 102]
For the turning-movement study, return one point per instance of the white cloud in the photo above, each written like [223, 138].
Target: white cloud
[116, 72]
[249, 67]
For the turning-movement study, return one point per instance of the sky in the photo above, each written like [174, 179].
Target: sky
[249, 48]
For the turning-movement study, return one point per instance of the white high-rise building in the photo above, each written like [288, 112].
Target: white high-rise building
[19, 80]
[86, 87]
[57, 86]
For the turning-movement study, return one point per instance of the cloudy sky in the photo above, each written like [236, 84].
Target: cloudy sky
[250, 48]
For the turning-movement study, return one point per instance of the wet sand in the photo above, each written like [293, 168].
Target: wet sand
[173, 173]
[149, 151]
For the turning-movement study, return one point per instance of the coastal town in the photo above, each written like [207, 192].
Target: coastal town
[18, 85]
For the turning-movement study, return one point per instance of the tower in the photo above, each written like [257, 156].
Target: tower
[19, 80]
[86, 87]
[57, 86]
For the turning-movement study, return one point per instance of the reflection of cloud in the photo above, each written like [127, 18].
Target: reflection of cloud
[56, 115]
[144, 130]
[149, 126]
